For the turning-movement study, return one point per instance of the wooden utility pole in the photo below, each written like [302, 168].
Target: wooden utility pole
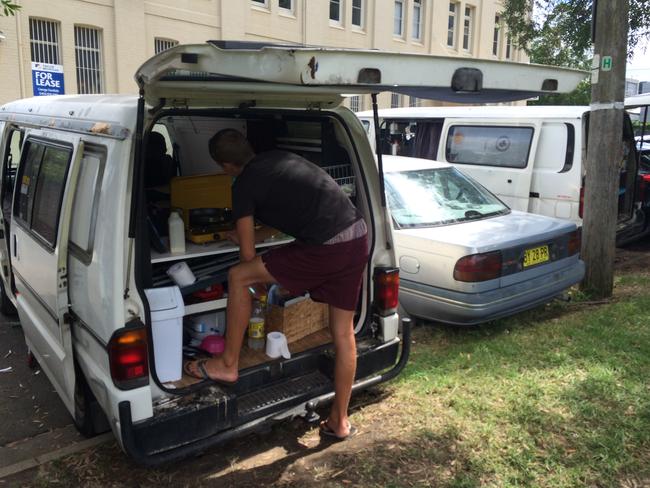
[605, 146]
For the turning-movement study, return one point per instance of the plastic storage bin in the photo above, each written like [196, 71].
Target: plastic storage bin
[167, 310]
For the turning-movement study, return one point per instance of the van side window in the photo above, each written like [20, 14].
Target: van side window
[86, 201]
[41, 181]
[500, 146]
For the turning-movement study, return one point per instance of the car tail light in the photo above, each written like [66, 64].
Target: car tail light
[386, 290]
[582, 201]
[478, 267]
[575, 241]
[128, 358]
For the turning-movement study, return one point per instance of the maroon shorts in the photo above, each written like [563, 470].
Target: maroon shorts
[331, 273]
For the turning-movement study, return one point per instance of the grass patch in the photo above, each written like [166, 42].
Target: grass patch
[540, 399]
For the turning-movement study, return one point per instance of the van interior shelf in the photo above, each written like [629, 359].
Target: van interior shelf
[193, 250]
[201, 307]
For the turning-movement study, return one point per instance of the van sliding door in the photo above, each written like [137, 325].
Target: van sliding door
[46, 182]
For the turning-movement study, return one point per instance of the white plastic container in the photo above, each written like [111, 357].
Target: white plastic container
[176, 233]
[167, 310]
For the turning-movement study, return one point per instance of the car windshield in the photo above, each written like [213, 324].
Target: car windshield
[438, 196]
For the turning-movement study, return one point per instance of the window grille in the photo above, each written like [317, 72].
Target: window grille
[88, 54]
[44, 41]
[161, 44]
[467, 28]
[357, 13]
[394, 100]
[451, 25]
[417, 19]
[335, 11]
[497, 35]
[414, 102]
[354, 103]
[398, 18]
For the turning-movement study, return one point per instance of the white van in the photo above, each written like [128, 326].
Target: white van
[529, 156]
[85, 258]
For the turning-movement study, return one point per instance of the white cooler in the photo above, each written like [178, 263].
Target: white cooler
[167, 310]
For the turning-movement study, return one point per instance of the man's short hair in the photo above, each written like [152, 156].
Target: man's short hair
[230, 146]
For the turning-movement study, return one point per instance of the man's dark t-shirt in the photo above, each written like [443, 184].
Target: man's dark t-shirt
[293, 195]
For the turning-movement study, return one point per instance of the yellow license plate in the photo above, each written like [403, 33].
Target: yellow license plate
[535, 255]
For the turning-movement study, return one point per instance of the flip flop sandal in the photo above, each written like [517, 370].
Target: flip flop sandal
[326, 431]
[203, 373]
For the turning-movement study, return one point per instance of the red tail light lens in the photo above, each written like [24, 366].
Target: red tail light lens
[386, 290]
[127, 353]
[582, 201]
[575, 241]
[478, 267]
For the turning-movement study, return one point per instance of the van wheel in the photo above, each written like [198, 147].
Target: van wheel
[89, 418]
[6, 307]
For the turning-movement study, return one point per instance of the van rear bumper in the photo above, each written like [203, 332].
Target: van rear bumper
[453, 307]
[197, 426]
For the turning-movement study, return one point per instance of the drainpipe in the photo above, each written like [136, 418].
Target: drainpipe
[21, 59]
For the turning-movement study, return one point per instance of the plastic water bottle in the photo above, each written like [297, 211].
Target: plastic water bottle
[176, 233]
[256, 324]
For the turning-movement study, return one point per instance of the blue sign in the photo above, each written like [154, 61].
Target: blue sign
[47, 79]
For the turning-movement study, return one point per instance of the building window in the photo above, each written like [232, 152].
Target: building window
[161, 44]
[497, 35]
[394, 100]
[467, 28]
[88, 55]
[508, 46]
[44, 41]
[414, 102]
[417, 19]
[261, 3]
[286, 5]
[398, 18]
[357, 13]
[355, 103]
[335, 11]
[451, 25]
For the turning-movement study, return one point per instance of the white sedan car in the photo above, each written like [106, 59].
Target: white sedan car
[464, 256]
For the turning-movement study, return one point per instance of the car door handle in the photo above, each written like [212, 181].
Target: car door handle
[15, 247]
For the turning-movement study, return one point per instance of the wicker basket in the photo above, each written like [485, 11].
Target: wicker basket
[297, 320]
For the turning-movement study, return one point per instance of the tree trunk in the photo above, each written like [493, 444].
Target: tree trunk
[605, 147]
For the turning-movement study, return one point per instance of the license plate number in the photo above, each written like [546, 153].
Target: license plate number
[535, 255]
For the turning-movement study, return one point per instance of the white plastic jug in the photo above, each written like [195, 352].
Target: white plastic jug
[176, 233]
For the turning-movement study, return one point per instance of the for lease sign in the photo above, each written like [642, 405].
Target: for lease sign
[47, 79]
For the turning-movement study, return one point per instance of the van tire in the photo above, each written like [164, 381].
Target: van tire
[6, 307]
[89, 418]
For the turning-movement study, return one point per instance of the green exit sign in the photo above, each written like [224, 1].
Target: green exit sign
[606, 64]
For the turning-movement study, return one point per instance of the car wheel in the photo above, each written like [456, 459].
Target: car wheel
[89, 418]
[6, 307]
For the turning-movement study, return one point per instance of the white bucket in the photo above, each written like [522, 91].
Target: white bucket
[167, 310]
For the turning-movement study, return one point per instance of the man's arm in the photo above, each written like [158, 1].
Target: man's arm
[245, 228]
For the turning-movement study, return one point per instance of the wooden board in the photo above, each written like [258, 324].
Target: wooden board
[249, 357]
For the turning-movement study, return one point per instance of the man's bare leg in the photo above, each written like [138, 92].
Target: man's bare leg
[345, 366]
[240, 277]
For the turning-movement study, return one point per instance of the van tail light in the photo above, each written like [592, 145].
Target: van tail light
[386, 281]
[128, 358]
[478, 267]
[581, 207]
[575, 241]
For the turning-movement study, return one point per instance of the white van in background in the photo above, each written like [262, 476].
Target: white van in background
[529, 156]
[85, 187]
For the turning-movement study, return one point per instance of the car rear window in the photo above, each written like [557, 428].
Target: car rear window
[500, 146]
[438, 196]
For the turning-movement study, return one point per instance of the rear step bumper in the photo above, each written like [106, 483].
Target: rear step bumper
[219, 418]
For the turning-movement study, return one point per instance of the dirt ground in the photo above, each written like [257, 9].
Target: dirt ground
[290, 454]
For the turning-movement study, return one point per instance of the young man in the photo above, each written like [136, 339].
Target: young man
[286, 192]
